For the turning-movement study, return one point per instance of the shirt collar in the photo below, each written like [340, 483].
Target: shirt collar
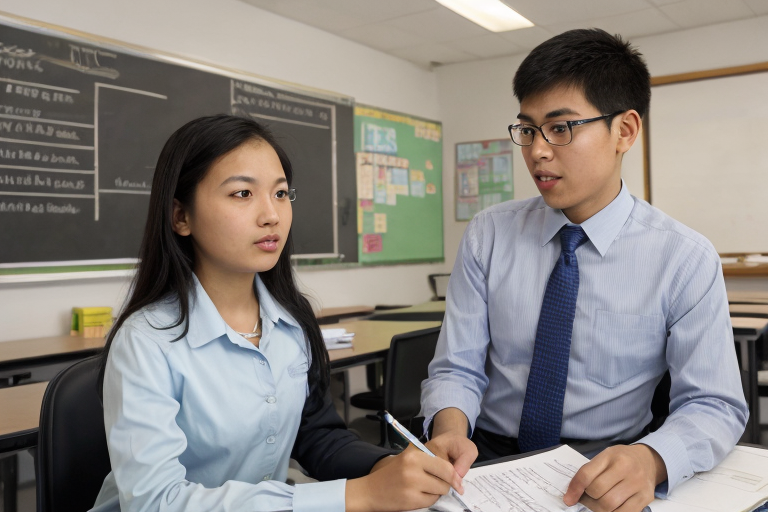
[602, 228]
[206, 324]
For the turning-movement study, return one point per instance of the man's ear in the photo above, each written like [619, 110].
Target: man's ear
[180, 219]
[629, 125]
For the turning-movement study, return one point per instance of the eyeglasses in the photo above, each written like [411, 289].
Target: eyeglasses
[557, 133]
[291, 194]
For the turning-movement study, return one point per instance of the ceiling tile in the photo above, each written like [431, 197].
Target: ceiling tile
[759, 7]
[548, 12]
[663, 2]
[697, 13]
[487, 46]
[640, 23]
[376, 11]
[527, 38]
[382, 36]
[311, 13]
[430, 54]
[439, 25]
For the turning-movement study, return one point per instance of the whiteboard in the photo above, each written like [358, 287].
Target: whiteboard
[709, 158]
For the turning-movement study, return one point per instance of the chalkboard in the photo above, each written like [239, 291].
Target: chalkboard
[82, 123]
[399, 187]
[708, 165]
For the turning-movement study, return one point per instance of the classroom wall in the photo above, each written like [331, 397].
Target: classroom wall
[473, 100]
[232, 34]
[477, 103]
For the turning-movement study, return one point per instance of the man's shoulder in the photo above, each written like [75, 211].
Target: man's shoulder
[659, 223]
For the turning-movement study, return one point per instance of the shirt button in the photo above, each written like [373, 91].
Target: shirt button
[262, 362]
[271, 440]
[271, 400]
[267, 477]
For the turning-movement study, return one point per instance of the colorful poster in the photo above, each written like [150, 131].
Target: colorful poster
[483, 176]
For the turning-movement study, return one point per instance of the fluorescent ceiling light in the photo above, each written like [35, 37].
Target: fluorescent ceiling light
[493, 15]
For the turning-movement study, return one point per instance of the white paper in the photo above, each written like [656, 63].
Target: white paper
[337, 338]
[531, 484]
[537, 484]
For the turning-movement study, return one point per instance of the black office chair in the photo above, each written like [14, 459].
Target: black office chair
[72, 457]
[406, 367]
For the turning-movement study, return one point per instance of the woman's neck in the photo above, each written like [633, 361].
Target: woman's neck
[234, 298]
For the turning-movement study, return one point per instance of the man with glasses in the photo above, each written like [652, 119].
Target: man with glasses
[565, 311]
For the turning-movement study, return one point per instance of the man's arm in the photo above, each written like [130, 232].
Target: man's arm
[457, 372]
[707, 408]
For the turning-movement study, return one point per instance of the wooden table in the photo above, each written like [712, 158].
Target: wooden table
[427, 311]
[748, 297]
[55, 349]
[333, 315]
[21, 417]
[371, 342]
[748, 310]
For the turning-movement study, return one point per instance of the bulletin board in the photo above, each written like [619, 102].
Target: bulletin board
[399, 187]
[705, 154]
[483, 176]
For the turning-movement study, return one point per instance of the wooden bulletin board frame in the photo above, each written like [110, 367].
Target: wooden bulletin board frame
[741, 267]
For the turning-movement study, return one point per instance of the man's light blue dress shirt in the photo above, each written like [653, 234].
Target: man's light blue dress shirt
[207, 423]
[651, 298]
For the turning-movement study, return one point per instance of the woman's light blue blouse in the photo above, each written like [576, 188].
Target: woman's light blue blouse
[208, 422]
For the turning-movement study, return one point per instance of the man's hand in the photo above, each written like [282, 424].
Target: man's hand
[620, 478]
[449, 440]
[456, 449]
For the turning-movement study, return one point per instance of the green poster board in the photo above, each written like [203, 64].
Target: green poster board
[399, 164]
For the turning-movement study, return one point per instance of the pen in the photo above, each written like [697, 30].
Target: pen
[418, 444]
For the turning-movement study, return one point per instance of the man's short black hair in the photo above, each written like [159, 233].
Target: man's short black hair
[612, 74]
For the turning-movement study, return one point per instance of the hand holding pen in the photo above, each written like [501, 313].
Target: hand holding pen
[418, 444]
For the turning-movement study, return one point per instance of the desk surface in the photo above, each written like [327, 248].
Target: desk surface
[754, 297]
[46, 347]
[24, 404]
[343, 312]
[372, 338]
[435, 306]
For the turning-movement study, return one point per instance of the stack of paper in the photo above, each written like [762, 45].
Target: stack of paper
[537, 483]
[337, 338]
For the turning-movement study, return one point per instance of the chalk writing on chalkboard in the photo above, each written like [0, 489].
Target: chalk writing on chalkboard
[82, 123]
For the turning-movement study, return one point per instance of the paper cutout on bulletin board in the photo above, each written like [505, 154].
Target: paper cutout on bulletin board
[483, 176]
[372, 243]
[380, 222]
[403, 221]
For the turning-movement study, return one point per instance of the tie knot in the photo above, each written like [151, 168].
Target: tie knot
[571, 237]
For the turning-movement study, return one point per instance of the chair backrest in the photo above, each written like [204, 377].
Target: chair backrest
[72, 446]
[407, 366]
[439, 285]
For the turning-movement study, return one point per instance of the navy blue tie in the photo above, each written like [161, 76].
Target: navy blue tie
[542, 414]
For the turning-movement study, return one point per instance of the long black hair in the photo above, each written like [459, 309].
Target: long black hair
[167, 259]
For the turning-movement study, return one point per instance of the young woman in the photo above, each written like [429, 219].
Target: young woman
[215, 373]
